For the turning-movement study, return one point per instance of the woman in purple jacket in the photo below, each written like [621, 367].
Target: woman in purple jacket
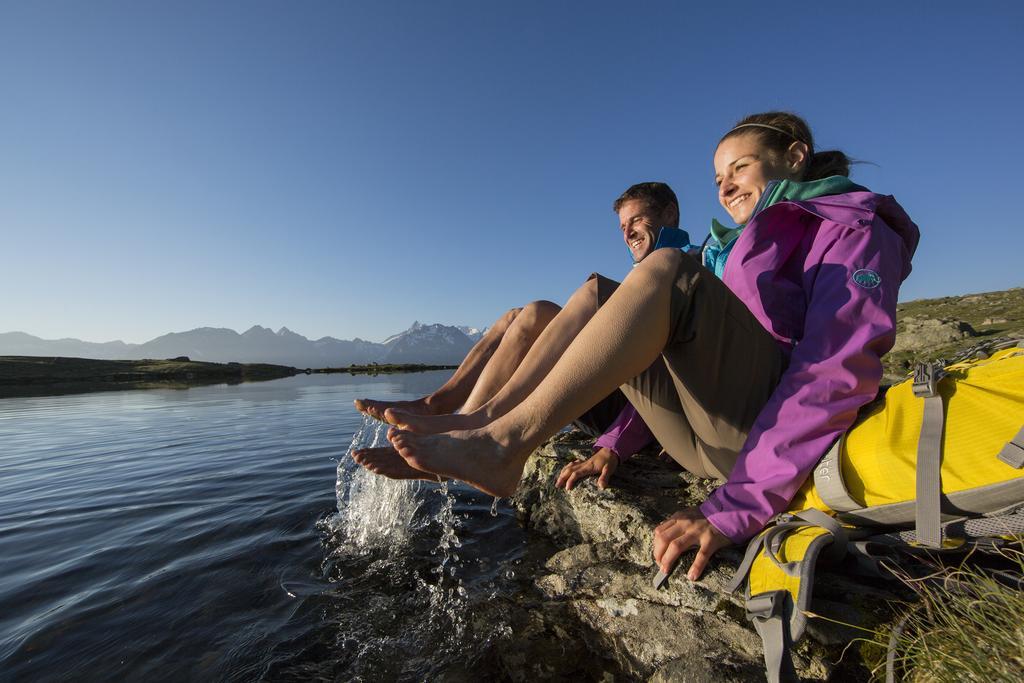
[747, 366]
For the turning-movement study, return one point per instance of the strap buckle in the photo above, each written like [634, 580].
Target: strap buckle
[926, 379]
[767, 605]
[1013, 452]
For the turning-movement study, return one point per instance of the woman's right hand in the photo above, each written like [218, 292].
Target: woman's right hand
[601, 464]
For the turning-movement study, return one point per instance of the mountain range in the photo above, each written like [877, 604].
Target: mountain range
[434, 344]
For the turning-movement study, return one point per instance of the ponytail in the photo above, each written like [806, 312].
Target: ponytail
[825, 164]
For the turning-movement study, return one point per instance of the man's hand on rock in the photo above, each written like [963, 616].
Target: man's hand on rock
[686, 529]
[601, 464]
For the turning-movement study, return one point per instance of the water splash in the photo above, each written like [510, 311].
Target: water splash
[447, 597]
[419, 534]
[373, 512]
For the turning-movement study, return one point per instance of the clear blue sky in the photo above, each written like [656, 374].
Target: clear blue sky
[345, 168]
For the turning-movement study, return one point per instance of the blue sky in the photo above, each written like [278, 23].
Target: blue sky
[345, 168]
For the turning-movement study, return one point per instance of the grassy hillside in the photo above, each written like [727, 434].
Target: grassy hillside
[990, 315]
[32, 375]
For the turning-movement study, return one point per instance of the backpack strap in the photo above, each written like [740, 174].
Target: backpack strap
[770, 613]
[928, 517]
[1013, 452]
[779, 590]
[753, 549]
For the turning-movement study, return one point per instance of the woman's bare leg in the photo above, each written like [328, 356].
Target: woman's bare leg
[624, 337]
[459, 386]
[543, 354]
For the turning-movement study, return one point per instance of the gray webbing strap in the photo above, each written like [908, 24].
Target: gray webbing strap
[768, 613]
[773, 539]
[872, 558]
[928, 519]
[819, 518]
[753, 548]
[1013, 452]
[840, 538]
[828, 481]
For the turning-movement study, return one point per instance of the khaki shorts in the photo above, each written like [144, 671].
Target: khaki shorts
[720, 367]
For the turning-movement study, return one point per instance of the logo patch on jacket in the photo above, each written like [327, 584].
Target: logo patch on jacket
[868, 279]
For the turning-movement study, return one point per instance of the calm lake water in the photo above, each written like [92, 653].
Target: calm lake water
[221, 533]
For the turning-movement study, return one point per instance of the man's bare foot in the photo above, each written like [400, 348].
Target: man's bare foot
[471, 456]
[435, 424]
[376, 409]
[388, 463]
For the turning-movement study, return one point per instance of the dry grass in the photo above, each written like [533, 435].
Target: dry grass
[967, 626]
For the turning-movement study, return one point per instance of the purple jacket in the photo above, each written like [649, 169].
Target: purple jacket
[626, 435]
[822, 276]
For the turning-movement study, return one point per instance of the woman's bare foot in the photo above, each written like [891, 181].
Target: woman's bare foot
[376, 409]
[474, 457]
[388, 463]
[435, 424]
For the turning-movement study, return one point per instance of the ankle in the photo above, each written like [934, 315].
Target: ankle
[507, 434]
[440, 404]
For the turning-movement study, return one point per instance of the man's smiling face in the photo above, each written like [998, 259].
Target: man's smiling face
[640, 227]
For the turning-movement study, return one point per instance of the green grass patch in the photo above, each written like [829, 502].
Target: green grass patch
[991, 314]
[967, 626]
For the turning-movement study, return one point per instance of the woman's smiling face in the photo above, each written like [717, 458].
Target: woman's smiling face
[744, 167]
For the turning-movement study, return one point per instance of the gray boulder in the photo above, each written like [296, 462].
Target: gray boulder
[594, 614]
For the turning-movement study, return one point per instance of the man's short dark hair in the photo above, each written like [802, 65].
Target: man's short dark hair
[658, 196]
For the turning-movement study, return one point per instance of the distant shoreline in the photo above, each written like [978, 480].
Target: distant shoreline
[50, 376]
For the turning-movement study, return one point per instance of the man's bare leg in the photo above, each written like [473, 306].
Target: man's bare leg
[553, 341]
[524, 331]
[607, 352]
[453, 394]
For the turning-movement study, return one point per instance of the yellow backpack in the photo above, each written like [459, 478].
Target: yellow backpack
[937, 463]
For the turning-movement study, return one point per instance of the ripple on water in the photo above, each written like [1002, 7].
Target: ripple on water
[196, 534]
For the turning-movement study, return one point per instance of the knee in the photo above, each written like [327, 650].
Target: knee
[585, 297]
[534, 317]
[539, 313]
[661, 264]
[505, 321]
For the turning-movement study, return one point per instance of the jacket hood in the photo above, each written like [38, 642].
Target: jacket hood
[859, 208]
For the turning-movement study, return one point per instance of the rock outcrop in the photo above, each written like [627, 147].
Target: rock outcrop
[593, 612]
[926, 333]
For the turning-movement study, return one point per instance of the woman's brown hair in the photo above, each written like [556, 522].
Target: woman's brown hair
[778, 130]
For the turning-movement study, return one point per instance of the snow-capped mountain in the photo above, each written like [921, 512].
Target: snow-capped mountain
[427, 344]
[434, 344]
[473, 333]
